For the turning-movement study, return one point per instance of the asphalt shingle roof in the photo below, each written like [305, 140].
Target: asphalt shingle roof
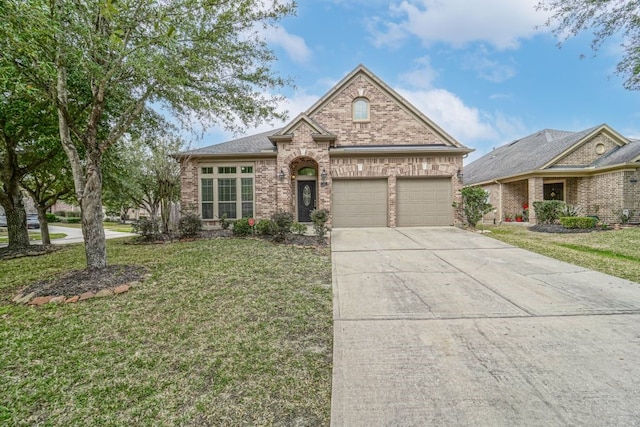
[532, 152]
[246, 145]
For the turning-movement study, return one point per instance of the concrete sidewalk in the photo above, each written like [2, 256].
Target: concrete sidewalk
[439, 326]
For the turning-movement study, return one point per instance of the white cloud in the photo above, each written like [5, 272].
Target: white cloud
[489, 69]
[422, 76]
[294, 45]
[449, 112]
[501, 23]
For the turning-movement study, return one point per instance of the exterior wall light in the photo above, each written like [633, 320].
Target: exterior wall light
[460, 175]
[281, 175]
[633, 180]
[323, 178]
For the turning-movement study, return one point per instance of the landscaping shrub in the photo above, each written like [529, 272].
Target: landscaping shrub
[266, 227]
[72, 214]
[146, 227]
[298, 228]
[61, 214]
[51, 217]
[283, 221]
[320, 218]
[73, 220]
[189, 225]
[582, 222]
[224, 222]
[570, 210]
[241, 227]
[548, 211]
[474, 204]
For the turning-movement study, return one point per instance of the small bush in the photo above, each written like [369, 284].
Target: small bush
[241, 227]
[283, 221]
[73, 220]
[581, 222]
[146, 227]
[60, 214]
[320, 218]
[71, 214]
[224, 222]
[51, 217]
[189, 225]
[548, 211]
[475, 204]
[266, 227]
[298, 228]
[569, 210]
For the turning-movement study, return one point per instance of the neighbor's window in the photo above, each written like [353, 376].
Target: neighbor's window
[227, 190]
[360, 109]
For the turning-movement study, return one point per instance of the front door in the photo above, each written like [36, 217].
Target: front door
[306, 200]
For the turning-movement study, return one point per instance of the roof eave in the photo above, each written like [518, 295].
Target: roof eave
[350, 151]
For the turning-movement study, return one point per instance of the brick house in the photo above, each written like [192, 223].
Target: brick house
[596, 169]
[361, 151]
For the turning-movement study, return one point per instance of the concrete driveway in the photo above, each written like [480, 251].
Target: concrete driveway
[440, 326]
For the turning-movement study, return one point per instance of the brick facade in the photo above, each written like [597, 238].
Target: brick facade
[588, 152]
[329, 124]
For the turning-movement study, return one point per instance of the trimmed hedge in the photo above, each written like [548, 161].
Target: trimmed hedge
[581, 222]
[241, 227]
[73, 220]
[51, 217]
[548, 211]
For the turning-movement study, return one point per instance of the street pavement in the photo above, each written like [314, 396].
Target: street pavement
[440, 326]
[74, 235]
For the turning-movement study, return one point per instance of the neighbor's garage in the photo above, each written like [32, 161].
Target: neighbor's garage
[359, 203]
[425, 201]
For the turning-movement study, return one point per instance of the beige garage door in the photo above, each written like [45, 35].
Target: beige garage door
[359, 203]
[424, 202]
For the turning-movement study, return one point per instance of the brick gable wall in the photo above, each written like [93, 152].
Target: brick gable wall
[390, 123]
[587, 153]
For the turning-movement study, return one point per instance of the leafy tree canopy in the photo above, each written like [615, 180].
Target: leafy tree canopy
[606, 19]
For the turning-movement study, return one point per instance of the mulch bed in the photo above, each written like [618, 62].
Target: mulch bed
[32, 250]
[557, 228]
[77, 282]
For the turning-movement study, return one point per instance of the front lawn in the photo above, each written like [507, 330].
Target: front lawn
[225, 332]
[613, 252]
[4, 237]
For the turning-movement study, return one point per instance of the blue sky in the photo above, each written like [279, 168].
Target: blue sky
[480, 69]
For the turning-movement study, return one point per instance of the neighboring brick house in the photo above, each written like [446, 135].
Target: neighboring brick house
[596, 170]
[361, 151]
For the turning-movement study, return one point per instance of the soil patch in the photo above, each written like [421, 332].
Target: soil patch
[77, 282]
[31, 250]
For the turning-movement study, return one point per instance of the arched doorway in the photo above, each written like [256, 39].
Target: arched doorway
[305, 171]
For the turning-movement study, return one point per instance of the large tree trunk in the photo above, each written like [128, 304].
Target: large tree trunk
[16, 215]
[95, 245]
[17, 223]
[44, 225]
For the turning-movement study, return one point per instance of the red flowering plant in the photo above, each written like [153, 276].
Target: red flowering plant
[525, 211]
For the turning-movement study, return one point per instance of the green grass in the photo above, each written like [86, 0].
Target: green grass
[225, 332]
[32, 236]
[613, 252]
[113, 226]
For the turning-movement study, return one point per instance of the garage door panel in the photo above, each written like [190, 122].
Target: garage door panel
[424, 202]
[359, 203]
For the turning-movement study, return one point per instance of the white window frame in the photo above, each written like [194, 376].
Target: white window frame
[368, 110]
[216, 176]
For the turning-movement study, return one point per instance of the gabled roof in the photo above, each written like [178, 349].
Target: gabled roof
[285, 134]
[539, 151]
[263, 143]
[362, 70]
[246, 145]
